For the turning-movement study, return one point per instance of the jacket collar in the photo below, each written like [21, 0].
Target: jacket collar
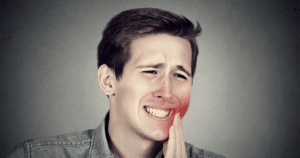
[99, 144]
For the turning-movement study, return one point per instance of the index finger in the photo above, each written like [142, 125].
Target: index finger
[183, 151]
[171, 143]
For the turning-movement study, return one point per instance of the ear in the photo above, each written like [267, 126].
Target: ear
[106, 76]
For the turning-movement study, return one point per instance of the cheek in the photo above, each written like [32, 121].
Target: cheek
[125, 94]
[184, 103]
[130, 93]
[182, 108]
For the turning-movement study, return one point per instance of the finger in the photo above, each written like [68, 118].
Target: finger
[165, 146]
[183, 151]
[177, 136]
[171, 143]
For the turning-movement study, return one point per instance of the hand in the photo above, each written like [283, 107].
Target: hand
[175, 147]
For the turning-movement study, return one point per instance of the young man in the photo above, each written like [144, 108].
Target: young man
[146, 63]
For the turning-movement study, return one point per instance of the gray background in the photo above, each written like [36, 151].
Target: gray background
[245, 100]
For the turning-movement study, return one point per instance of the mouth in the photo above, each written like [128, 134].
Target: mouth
[157, 112]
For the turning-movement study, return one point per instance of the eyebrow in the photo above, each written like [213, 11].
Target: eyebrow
[156, 66]
[160, 65]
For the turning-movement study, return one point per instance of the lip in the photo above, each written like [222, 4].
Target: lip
[159, 118]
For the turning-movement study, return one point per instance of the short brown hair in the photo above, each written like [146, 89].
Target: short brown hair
[114, 48]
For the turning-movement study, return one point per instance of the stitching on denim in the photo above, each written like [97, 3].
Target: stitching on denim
[28, 149]
[47, 143]
[202, 156]
[92, 144]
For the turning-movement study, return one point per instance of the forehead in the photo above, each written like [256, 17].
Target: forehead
[161, 48]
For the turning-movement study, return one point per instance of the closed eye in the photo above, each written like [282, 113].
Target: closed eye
[180, 76]
[150, 72]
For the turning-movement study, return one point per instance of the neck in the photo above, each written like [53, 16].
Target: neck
[125, 144]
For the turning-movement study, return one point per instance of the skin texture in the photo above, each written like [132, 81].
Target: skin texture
[157, 76]
[175, 147]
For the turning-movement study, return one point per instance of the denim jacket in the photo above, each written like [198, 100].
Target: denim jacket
[87, 144]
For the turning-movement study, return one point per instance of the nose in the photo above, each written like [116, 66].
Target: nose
[165, 89]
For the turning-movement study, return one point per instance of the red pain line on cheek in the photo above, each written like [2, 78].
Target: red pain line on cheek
[182, 109]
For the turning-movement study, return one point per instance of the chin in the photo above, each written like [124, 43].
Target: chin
[160, 135]
[162, 138]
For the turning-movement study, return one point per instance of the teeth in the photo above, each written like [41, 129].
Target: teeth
[157, 112]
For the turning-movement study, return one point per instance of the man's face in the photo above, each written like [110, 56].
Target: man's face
[155, 85]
